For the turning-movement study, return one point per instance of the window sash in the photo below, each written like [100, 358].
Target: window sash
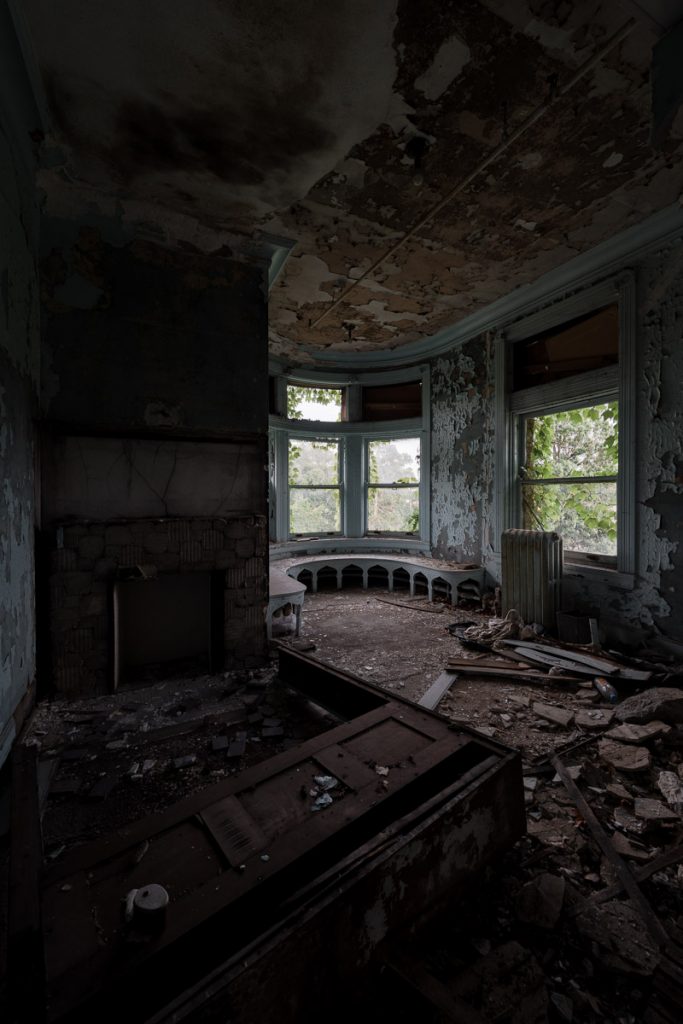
[317, 487]
[549, 480]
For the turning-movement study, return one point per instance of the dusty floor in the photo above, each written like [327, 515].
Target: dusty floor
[405, 650]
[544, 938]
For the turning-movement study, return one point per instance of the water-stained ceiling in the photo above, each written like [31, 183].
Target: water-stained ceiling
[343, 127]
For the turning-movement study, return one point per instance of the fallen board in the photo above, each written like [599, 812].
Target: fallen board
[436, 691]
[575, 661]
[516, 675]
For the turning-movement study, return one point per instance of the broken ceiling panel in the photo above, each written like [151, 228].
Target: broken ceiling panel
[345, 130]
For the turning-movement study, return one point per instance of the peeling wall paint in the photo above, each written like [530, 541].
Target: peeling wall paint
[19, 361]
[463, 447]
[462, 418]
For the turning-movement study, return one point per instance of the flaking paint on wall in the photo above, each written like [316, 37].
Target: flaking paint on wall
[19, 353]
[462, 415]
[463, 449]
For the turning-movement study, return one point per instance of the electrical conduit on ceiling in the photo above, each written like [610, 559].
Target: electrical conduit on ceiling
[535, 116]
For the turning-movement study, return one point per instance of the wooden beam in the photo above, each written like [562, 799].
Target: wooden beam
[650, 919]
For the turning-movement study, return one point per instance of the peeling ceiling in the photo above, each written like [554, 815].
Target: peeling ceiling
[343, 126]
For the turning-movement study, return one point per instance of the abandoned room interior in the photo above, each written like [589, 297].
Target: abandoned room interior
[341, 530]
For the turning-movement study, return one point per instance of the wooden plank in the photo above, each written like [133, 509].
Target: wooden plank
[629, 883]
[438, 610]
[437, 690]
[26, 964]
[597, 666]
[553, 662]
[522, 675]
[664, 860]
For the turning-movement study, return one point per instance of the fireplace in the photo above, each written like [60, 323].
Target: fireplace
[133, 596]
[165, 625]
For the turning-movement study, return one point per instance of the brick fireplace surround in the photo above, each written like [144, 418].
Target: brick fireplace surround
[87, 559]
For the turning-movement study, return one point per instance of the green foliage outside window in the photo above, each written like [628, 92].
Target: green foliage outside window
[299, 396]
[314, 505]
[565, 445]
[393, 510]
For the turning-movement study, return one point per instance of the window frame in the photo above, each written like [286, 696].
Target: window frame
[608, 384]
[529, 408]
[339, 486]
[352, 435]
[390, 487]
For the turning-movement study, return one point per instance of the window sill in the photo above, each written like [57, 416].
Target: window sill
[599, 574]
[339, 544]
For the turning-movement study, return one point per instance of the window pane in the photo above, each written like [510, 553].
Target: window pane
[323, 404]
[394, 462]
[578, 442]
[393, 511]
[585, 515]
[314, 511]
[314, 462]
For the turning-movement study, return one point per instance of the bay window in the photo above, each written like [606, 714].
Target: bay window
[340, 471]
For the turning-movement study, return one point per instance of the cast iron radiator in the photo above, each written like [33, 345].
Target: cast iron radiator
[532, 575]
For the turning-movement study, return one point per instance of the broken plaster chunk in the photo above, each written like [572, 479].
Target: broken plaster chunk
[597, 718]
[558, 716]
[617, 927]
[324, 800]
[564, 1006]
[184, 762]
[117, 744]
[626, 848]
[659, 704]
[671, 788]
[615, 789]
[653, 810]
[540, 901]
[238, 746]
[572, 770]
[623, 757]
[624, 819]
[628, 733]
[381, 769]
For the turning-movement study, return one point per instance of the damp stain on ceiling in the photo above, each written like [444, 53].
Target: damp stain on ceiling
[342, 127]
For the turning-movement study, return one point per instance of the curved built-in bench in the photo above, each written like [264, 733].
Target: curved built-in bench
[429, 576]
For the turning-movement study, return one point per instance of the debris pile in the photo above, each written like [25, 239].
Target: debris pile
[107, 760]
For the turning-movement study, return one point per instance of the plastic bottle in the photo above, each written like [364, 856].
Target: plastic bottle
[606, 690]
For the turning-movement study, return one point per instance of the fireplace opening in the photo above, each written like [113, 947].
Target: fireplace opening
[165, 627]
